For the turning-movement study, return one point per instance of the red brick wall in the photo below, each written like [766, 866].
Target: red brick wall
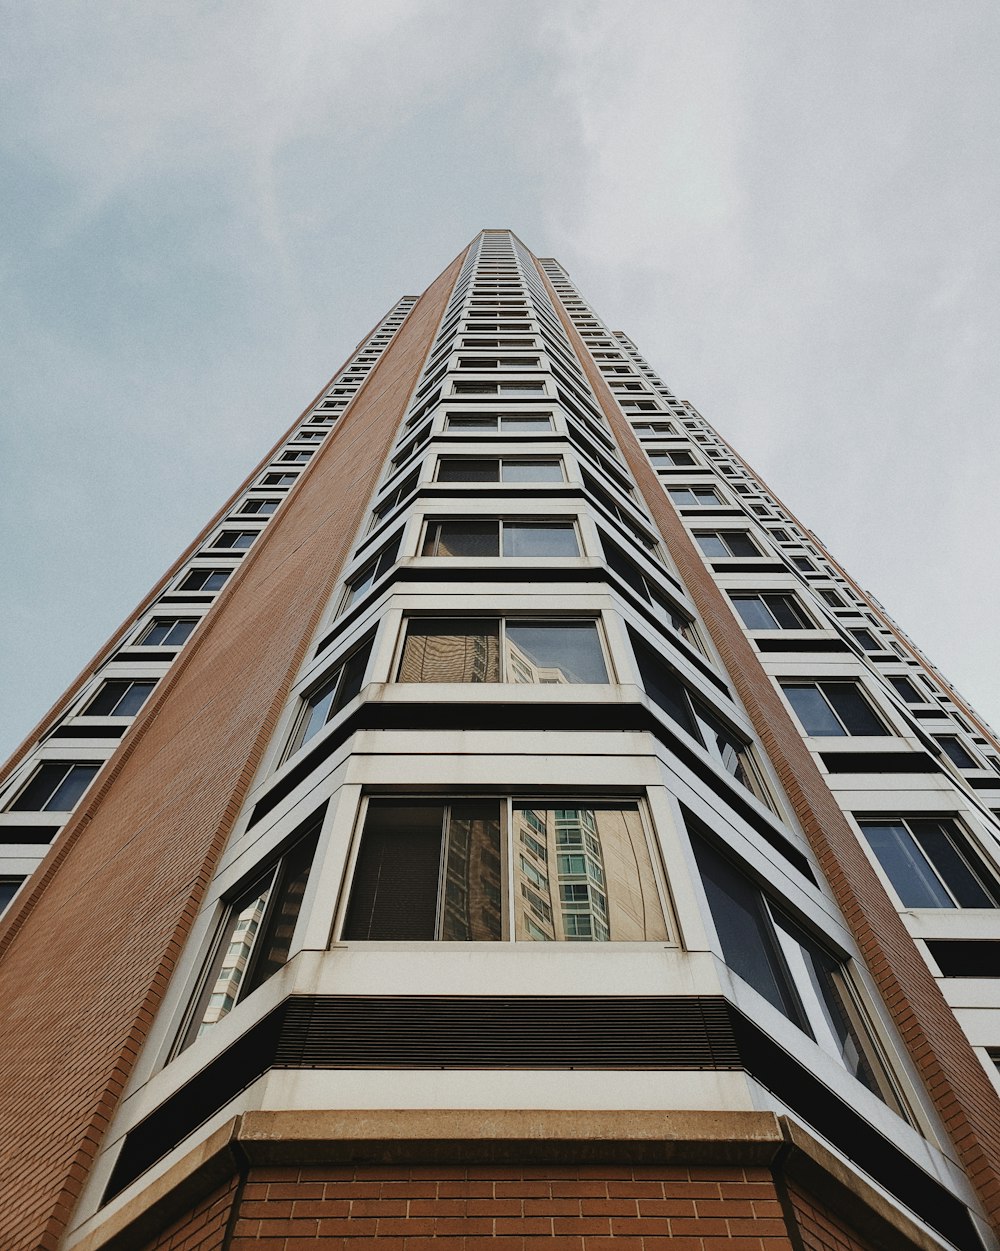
[955, 1080]
[92, 947]
[204, 1228]
[819, 1228]
[497, 1208]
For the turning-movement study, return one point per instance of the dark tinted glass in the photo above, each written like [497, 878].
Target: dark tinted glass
[532, 471]
[813, 711]
[271, 950]
[786, 612]
[168, 633]
[55, 787]
[664, 687]
[955, 752]
[470, 906]
[712, 545]
[740, 543]
[8, 888]
[462, 538]
[395, 886]
[460, 469]
[852, 708]
[905, 866]
[754, 612]
[941, 841]
[905, 688]
[744, 928]
[119, 698]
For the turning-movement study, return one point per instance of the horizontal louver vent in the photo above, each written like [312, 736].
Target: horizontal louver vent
[519, 1032]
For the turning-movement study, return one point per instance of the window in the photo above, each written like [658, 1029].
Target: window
[831, 598]
[803, 564]
[725, 746]
[490, 869]
[767, 611]
[255, 936]
[793, 972]
[726, 543]
[496, 537]
[55, 786]
[298, 456]
[828, 709]
[664, 460]
[905, 688]
[700, 497]
[9, 887]
[119, 697]
[204, 580]
[485, 649]
[372, 571]
[866, 640]
[259, 508]
[279, 479]
[235, 538]
[930, 863]
[646, 589]
[465, 469]
[167, 632]
[955, 750]
[334, 692]
[499, 388]
[506, 423]
[396, 496]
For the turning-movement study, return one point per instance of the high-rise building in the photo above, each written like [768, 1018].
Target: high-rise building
[329, 927]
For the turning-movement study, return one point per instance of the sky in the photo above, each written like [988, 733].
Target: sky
[791, 207]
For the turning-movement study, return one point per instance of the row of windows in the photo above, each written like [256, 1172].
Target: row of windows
[492, 869]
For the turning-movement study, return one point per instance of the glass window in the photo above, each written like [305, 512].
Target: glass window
[119, 697]
[373, 570]
[905, 688]
[279, 479]
[699, 497]
[866, 640]
[466, 469]
[168, 632]
[832, 709]
[333, 693]
[259, 508]
[792, 971]
[204, 580]
[240, 539]
[956, 753]
[462, 538]
[434, 870]
[493, 650]
[766, 611]
[727, 748]
[8, 889]
[540, 538]
[726, 543]
[255, 936]
[55, 786]
[930, 863]
[663, 460]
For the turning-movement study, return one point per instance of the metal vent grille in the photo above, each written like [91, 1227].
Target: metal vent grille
[515, 1032]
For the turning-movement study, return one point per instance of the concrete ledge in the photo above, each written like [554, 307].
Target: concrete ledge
[530, 1136]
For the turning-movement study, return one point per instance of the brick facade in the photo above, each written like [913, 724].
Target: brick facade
[87, 993]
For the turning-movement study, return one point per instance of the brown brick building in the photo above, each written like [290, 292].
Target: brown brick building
[505, 827]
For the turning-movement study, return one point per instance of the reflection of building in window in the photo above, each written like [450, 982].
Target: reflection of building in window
[471, 649]
[429, 870]
[584, 875]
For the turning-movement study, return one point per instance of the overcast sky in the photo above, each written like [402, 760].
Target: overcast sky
[791, 207]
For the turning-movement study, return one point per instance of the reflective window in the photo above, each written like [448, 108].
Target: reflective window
[726, 543]
[495, 537]
[694, 496]
[168, 632]
[930, 863]
[505, 423]
[954, 749]
[830, 709]
[486, 870]
[502, 650]
[240, 539]
[54, 787]
[119, 697]
[326, 700]
[467, 469]
[8, 889]
[769, 611]
[791, 969]
[666, 689]
[372, 570]
[204, 580]
[255, 936]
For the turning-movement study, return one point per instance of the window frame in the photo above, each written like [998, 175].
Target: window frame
[560, 521]
[982, 871]
[787, 683]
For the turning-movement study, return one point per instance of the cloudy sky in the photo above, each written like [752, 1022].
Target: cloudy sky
[791, 207]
